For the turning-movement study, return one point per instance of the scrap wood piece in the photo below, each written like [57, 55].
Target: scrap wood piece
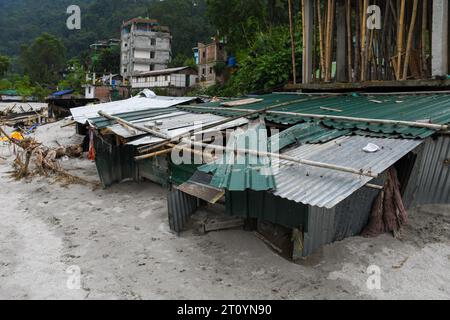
[201, 191]
[388, 211]
[331, 109]
[242, 102]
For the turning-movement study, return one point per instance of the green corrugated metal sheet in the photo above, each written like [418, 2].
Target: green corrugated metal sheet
[101, 122]
[266, 206]
[180, 174]
[434, 107]
[231, 173]
[308, 132]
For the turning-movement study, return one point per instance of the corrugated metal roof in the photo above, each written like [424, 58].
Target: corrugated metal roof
[135, 104]
[191, 123]
[242, 172]
[433, 184]
[327, 188]
[161, 72]
[433, 107]
[308, 132]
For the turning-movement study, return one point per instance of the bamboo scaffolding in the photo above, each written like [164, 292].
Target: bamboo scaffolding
[321, 40]
[401, 22]
[364, 40]
[348, 10]
[423, 37]
[291, 28]
[329, 40]
[410, 39]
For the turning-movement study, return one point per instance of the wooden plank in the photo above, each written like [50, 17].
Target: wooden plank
[242, 102]
[202, 191]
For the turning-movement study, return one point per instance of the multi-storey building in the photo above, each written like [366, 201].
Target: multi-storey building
[146, 46]
[209, 56]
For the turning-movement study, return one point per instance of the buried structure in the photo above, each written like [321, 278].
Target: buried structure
[318, 180]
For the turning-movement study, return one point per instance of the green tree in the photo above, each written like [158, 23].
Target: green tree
[75, 78]
[108, 61]
[5, 63]
[44, 59]
[265, 67]
[241, 20]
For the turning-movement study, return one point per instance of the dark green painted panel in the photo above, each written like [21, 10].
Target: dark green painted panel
[265, 206]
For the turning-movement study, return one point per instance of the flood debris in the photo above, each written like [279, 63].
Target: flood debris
[35, 159]
[388, 211]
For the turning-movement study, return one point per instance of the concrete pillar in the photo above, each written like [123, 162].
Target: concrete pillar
[341, 37]
[308, 50]
[439, 62]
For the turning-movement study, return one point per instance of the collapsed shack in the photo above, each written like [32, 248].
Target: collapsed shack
[59, 107]
[21, 115]
[327, 181]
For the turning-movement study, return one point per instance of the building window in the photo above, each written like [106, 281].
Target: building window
[152, 67]
[204, 54]
[125, 70]
[210, 70]
[166, 78]
[152, 54]
[203, 71]
[153, 42]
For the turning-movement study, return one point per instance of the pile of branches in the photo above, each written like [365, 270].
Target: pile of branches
[44, 160]
[388, 211]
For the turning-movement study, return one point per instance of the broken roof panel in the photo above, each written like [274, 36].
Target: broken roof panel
[308, 132]
[326, 188]
[243, 171]
[139, 103]
[434, 108]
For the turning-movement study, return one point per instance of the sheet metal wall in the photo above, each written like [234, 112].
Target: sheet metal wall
[433, 179]
[114, 163]
[155, 169]
[265, 206]
[180, 207]
[347, 219]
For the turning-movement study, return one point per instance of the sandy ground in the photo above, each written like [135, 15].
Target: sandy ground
[120, 242]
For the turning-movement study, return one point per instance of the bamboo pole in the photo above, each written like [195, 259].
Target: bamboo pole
[348, 10]
[410, 39]
[248, 113]
[329, 28]
[401, 21]
[360, 172]
[363, 41]
[357, 59]
[321, 40]
[291, 28]
[134, 126]
[304, 44]
[424, 38]
[343, 118]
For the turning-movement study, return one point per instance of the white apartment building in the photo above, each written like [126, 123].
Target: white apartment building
[145, 46]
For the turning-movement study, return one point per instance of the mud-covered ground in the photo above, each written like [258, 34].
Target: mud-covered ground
[120, 242]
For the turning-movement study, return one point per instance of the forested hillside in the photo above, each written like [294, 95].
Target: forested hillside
[21, 21]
